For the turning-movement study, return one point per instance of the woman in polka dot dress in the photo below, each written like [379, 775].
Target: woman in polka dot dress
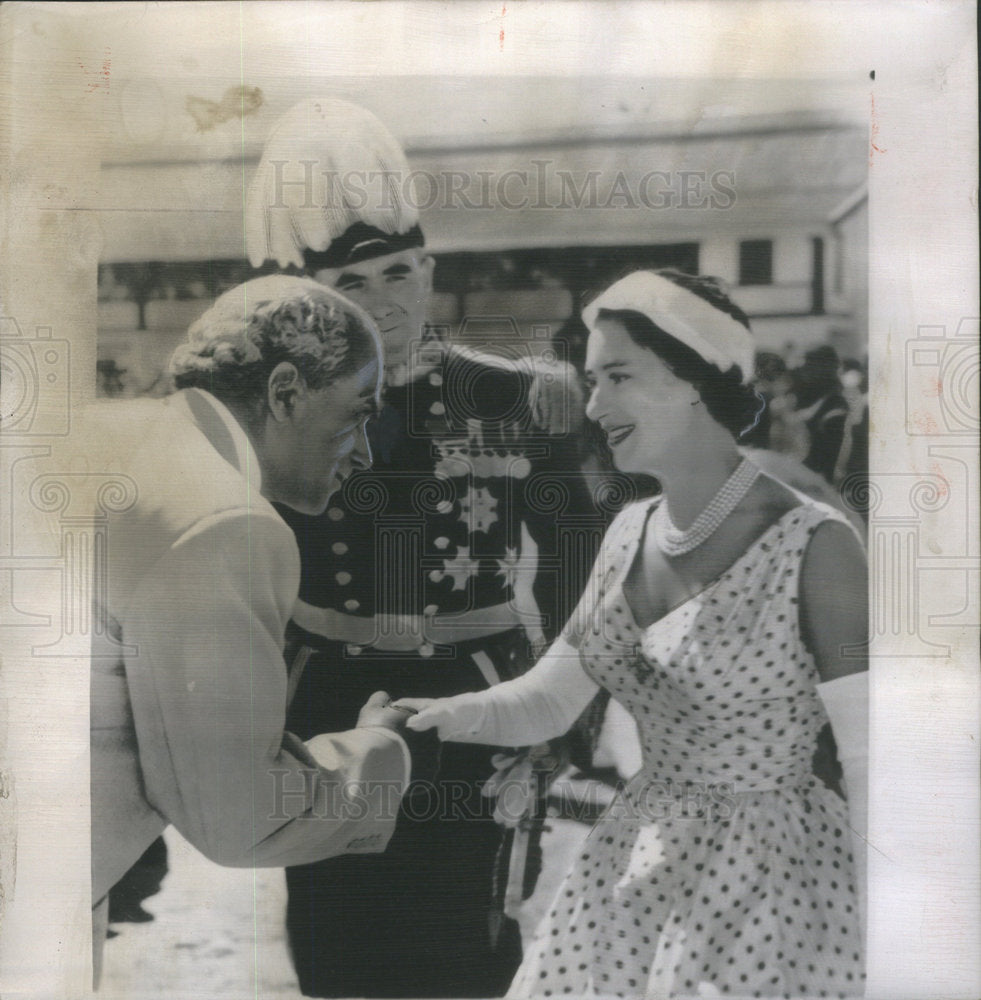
[729, 616]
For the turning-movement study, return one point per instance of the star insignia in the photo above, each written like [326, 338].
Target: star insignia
[460, 568]
[477, 509]
[509, 567]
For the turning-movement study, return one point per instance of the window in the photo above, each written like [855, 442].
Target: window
[756, 262]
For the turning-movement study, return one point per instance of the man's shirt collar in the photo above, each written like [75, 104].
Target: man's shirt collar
[225, 433]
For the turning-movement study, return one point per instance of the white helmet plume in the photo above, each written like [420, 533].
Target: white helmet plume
[301, 196]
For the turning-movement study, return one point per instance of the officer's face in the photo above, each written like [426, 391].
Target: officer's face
[394, 290]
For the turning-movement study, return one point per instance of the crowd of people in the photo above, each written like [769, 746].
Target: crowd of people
[816, 411]
[380, 538]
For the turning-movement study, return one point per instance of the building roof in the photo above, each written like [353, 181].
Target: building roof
[594, 161]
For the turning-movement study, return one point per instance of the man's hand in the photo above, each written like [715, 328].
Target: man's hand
[378, 711]
[556, 397]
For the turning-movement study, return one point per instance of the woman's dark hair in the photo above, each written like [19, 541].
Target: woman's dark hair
[708, 288]
[733, 405]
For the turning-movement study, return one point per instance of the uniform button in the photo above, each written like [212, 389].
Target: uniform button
[335, 513]
[438, 409]
[355, 650]
[436, 575]
[339, 548]
[342, 578]
[430, 609]
[426, 649]
[520, 468]
[435, 378]
[352, 605]
[441, 542]
[444, 507]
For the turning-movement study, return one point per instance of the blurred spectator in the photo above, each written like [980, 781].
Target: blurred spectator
[853, 459]
[781, 428]
[787, 441]
[770, 368]
[821, 408]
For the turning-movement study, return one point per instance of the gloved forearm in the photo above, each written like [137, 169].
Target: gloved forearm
[538, 706]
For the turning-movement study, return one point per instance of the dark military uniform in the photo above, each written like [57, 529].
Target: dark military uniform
[433, 573]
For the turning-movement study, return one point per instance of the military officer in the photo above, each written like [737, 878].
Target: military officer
[436, 572]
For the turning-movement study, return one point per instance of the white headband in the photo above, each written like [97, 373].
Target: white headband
[713, 334]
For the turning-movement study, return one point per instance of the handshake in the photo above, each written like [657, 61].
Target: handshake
[380, 711]
[448, 716]
[521, 777]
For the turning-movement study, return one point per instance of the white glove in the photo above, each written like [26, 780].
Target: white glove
[846, 700]
[533, 708]
[452, 718]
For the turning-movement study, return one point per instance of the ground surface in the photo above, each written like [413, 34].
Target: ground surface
[218, 932]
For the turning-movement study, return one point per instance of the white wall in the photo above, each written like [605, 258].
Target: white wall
[719, 256]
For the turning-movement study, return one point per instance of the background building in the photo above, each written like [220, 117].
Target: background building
[526, 213]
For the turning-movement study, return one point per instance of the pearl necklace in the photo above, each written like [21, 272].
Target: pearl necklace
[673, 541]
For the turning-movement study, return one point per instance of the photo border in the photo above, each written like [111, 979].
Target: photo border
[924, 800]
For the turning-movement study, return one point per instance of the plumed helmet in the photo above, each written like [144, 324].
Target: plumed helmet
[301, 198]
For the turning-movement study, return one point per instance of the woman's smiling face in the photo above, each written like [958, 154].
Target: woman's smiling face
[641, 405]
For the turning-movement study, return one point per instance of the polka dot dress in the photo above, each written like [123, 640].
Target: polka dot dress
[724, 866]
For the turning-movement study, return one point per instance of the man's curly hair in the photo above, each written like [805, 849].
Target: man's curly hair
[233, 348]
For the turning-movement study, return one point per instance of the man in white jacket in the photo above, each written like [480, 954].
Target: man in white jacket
[189, 686]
